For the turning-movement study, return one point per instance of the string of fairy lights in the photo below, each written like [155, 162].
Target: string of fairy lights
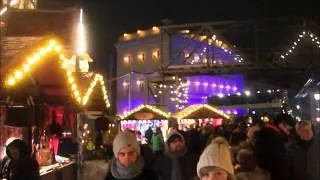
[143, 106]
[178, 89]
[214, 40]
[52, 46]
[303, 35]
[248, 93]
[211, 40]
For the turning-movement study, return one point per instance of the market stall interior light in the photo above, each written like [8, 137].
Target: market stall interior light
[52, 45]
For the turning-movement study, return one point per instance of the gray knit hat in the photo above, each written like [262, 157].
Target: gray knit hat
[125, 139]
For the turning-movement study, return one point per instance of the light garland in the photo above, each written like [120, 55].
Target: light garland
[248, 93]
[152, 108]
[53, 46]
[304, 35]
[141, 33]
[213, 41]
[97, 78]
[180, 90]
[193, 108]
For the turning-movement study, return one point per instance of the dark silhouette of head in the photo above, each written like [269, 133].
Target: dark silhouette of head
[54, 116]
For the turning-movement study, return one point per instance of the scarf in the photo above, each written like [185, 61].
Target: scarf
[176, 172]
[120, 172]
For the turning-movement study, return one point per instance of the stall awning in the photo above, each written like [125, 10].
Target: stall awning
[145, 112]
[46, 67]
[198, 111]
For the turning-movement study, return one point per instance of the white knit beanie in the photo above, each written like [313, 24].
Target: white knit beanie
[217, 154]
[125, 139]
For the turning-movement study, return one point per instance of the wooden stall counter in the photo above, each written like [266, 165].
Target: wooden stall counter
[67, 171]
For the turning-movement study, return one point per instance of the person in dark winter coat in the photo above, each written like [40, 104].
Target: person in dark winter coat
[306, 152]
[18, 164]
[176, 163]
[247, 168]
[194, 140]
[270, 147]
[148, 135]
[127, 163]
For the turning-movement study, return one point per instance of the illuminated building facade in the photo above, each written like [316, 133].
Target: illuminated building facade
[141, 57]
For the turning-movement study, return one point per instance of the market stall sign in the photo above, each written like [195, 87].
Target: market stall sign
[144, 116]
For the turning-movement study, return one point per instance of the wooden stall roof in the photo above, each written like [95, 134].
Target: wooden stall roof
[157, 113]
[37, 22]
[23, 28]
[197, 111]
[41, 70]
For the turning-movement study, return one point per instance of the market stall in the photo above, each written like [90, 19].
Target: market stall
[46, 79]
[201, 114]
[52, 104]
[143, 117]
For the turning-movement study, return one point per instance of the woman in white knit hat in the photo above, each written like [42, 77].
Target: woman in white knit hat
[127, 162]
[215, 161]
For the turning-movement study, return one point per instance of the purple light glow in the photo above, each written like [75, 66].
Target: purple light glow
[234, 111]
[228, 82]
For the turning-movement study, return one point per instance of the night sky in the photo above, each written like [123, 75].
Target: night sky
[108, 19]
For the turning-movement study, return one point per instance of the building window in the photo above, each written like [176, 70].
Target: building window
[140, 85]
[155, 54]
[126, 59]
[186, 55]
[125, 85]
[141, 56]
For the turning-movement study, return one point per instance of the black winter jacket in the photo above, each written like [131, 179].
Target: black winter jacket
[188, 164]
[271, 152]
[145, 175]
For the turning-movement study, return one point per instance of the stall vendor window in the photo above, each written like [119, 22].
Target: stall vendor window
[125, 86]
[140, 85]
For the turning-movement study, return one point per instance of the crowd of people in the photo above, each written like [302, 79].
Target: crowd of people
[282, 149]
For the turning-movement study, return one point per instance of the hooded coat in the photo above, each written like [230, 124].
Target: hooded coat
[306, 157]
[271, 152]
[187, 162]
[25, 167]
